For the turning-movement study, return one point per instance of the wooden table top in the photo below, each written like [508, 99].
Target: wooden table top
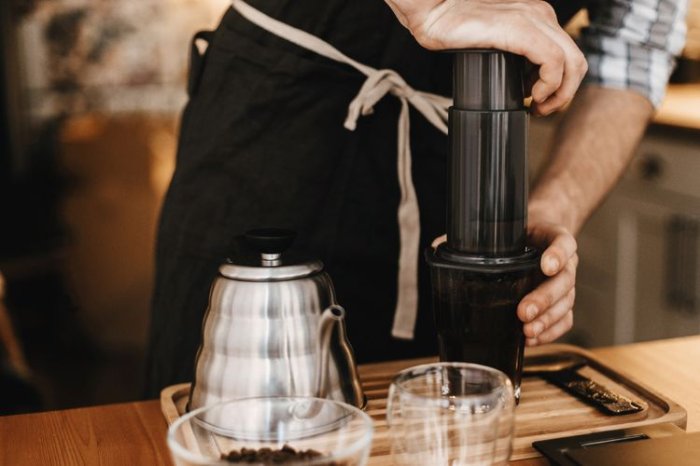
[133, 434]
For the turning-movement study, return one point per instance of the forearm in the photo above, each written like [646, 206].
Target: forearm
[592, 147]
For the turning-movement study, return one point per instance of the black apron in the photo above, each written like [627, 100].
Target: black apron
[262, 143]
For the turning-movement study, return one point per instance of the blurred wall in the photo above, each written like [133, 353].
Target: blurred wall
[109, 56]
[119, 167]
[110, 75]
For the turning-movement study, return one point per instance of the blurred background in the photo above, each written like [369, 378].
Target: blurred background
[90, 96]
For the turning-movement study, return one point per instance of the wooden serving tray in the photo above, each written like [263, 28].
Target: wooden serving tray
[545, 411]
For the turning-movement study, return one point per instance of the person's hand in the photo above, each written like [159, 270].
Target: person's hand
[523, 27]
[547, 311]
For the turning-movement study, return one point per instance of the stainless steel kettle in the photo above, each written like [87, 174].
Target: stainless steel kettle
[273, 328]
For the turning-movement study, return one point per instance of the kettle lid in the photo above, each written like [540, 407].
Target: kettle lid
[267, 264]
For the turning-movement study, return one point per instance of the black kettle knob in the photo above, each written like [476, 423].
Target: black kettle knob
[270, 240]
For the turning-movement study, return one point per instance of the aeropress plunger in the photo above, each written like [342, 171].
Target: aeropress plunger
[485, 267]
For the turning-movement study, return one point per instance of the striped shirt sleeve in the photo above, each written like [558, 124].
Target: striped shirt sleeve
[632, 44]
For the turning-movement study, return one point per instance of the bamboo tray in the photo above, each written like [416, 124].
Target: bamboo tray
[545, 411]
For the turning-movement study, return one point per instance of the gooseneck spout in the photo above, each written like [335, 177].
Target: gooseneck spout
[333, 318]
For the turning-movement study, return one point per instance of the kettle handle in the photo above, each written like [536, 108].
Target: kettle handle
[330, 317]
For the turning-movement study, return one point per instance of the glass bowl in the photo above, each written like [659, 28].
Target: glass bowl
[336, 433]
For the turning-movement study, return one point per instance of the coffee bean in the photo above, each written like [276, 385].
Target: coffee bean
[286, 454]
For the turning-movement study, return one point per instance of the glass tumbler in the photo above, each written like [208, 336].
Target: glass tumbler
[451, 414]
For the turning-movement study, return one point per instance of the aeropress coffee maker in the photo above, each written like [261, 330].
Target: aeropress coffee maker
[482, 271]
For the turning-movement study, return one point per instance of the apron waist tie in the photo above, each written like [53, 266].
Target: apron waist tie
[376, 86]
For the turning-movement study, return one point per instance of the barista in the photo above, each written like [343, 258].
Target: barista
[263, 143]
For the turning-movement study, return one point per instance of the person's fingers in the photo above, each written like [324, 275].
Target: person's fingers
[549, 82]
[529, 29]
[551, 316]
[560, 247]
[575, 67]
[458, 26]
[524, 27]
[555, 331]
[439, 240]
[526, 39]
[545, 12]
[546, 310]
[535, 303]
[532, 74]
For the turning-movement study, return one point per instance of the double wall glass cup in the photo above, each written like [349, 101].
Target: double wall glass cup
[451, 414]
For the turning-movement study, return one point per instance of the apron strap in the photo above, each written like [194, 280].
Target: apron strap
[378, 84]
[197, 60]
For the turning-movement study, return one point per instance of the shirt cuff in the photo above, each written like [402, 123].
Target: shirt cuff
[620, 65]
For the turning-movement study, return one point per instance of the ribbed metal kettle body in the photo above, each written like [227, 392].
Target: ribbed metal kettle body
[263, 338]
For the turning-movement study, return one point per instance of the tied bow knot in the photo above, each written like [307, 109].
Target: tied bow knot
[378, 84]
[381, 82]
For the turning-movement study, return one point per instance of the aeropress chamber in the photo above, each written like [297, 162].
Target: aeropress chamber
[482, 271]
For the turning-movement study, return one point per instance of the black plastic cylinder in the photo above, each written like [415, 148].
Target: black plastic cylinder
[487, 182]
[483, 271]
[476, 316]
[487, 79]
